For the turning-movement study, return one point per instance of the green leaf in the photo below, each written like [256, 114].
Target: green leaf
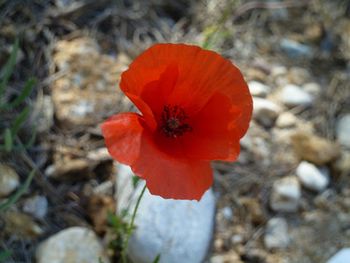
[28, 87]
[8, 140]
[116, 222]
[8, 68]
[156, 260]
[21, 190]
[19, 121]
[135, 180]
[5, 254]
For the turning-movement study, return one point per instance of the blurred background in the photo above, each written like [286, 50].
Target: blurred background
[286, 199]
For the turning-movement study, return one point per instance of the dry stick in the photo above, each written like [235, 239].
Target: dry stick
[40, 179]
[131, 226]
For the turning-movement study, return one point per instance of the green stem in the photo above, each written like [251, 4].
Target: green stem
[131, 226]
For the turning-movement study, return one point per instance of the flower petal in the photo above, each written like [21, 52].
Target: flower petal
[168, 176]
[214, 134]
[156, 92]
[123, 134]
[172, 177]
[201, 73]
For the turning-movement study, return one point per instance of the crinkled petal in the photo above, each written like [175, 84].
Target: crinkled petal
[200, 74]
[214, 134]
[155, 93]
[172, 177]
[123, 136]
[129, 142]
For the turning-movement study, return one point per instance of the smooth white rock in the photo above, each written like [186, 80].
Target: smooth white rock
[292, 96]
[312, 177]
[286, 120]
[265, 111]
[258, 89]
[227, 212]
[82, 108]
[43, 113]
[9, 180]
[75, 244]
[343, 130]
[36, 206]
[286, 194]
[278, 70]
[179, 230]
[276, 234]
[342, 256]
[312, 88]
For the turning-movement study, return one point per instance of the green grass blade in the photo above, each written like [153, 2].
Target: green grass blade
[28, 87]
[31, 141]
[156, 260]
[18, 122]
[5, 254]
[21, 190]
[8, 140]
[8, 68]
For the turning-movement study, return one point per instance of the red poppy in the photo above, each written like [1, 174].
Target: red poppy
[195, 106]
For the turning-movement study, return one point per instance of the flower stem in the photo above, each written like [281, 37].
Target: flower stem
[131, 227]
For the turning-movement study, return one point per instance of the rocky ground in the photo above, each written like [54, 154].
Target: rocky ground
[286, 199]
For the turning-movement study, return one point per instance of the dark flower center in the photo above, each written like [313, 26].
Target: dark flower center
[173, 121]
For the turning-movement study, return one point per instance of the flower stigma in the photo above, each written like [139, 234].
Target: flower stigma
[173, 121]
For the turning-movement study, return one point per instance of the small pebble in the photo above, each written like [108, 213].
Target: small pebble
[293, 96]
[265, 111]
[258, 89]
[286, 120]
[343, 130]
[295, 49]
[276, 235]
[75, 244]
[36, 206]
[312, 177]
[9, 180]
[286, 194]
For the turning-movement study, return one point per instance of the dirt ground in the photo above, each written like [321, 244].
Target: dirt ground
[77, 50]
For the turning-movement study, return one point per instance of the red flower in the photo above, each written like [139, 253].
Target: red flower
[195, 106]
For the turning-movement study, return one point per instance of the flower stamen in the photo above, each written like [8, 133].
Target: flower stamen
[173, 121]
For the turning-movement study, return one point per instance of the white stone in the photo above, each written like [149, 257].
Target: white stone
[75, 244]
[43, 113]
[292, 96]
[237, 239]
[276, 234]
[286, 194]
[312, 177]
[265, 111]
[312, 88]
[9, 180]
[343, 130]
[179, 230]
[342, 256]
[258, 89]
[36, 206]
[286, 120]
[227, 212]
[230, 256]
[82, 108]
[278, 70]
